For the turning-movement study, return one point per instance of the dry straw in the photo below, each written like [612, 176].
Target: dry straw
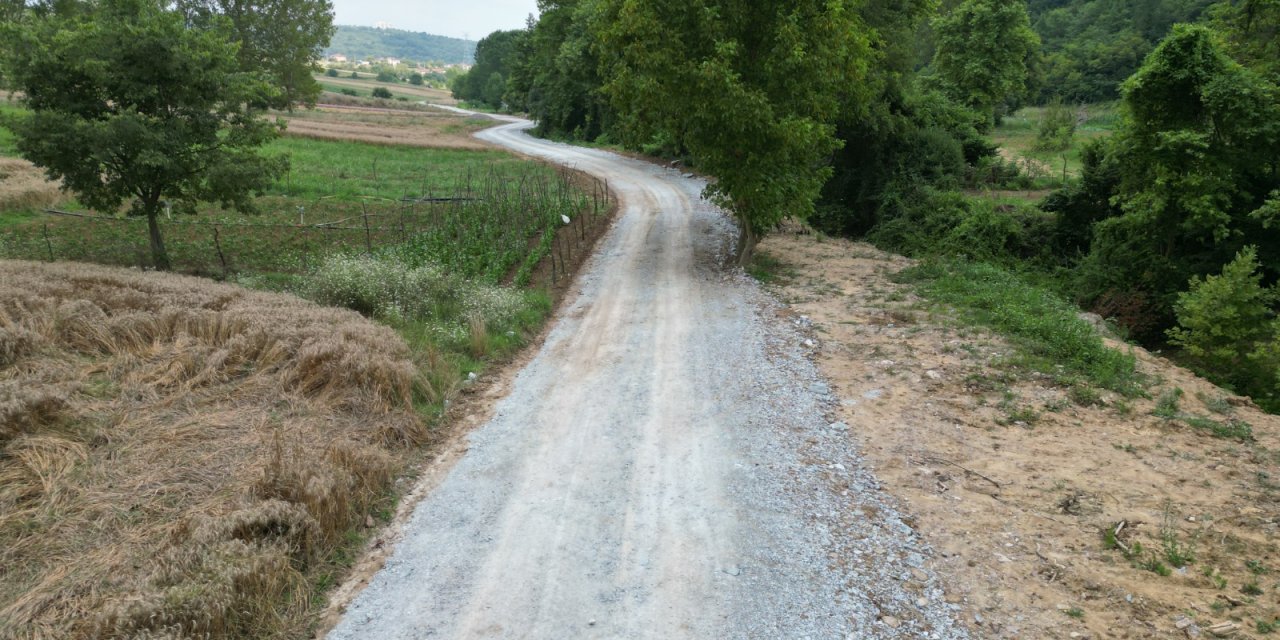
[176, 455]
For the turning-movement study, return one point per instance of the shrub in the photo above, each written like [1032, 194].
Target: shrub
[1224, 323]
[332, 73]
[381, 92]
[415, 79]
[1057, 127]
[350, 92]
[387, 76]
[388, 288]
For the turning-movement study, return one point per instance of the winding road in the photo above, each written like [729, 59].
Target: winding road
[662, 468]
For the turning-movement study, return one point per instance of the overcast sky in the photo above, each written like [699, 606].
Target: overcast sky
[471, 19]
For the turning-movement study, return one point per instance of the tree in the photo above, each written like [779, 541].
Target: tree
[1198, 157]
[1252, 30]
[557, 74]
[114, 125]
[331, 73]
[749, 89]
[983, 48]
[1224, 325]
[283, 38]
[415, 79]
[495, 56]
[382, 92]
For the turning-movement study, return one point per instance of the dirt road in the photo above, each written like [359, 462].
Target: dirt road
[665, 467]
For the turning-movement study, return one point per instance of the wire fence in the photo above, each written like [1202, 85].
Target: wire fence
[486, 226]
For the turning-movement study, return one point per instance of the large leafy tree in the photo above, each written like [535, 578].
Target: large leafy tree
[1252, 29]
[128, 104]
[1198, 162]
[749, 89]
[282, 38]
[982, 51]
[486, 82]
[557, 74]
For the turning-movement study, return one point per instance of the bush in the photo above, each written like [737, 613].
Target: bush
[355, 75]
[332, 73]
[387, 288]
[415, 79]
[387, 76]
[1224, 327]
[349, 92]
[1057, 127]
[381, 92]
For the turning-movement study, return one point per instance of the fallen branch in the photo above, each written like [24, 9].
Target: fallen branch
[964, 469]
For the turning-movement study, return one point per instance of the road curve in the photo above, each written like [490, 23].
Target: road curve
[662, 468]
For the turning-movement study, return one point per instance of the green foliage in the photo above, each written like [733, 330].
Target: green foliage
[557, 76]
[1091, 46]
[1057, 127]
[496, 56]
[332, 73]
[365, 43]
[1252, 31]
[114, 128]
[415, 79]
[1222, 322]
[749, 89]
[1194, 161]
[387, 76]
[983, 48]
[381, 92]
[1047, 329]
[281, 38]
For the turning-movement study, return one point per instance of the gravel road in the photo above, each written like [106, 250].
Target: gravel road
[663, 467]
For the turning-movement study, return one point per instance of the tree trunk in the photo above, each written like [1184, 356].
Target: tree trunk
[747, 241]
[159, 257]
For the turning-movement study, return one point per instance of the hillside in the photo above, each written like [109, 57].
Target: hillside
[368, 42]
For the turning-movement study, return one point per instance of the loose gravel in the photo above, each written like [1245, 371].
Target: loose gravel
[665, 467]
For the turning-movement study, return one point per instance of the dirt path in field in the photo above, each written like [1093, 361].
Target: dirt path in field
[667, 466]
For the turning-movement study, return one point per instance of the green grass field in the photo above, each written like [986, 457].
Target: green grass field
[345, 197]
[1017, 134]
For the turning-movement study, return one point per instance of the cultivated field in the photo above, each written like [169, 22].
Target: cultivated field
[434, 129]
[183, 457]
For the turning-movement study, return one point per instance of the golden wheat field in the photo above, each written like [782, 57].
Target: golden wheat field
[430, 129]
[177, 456]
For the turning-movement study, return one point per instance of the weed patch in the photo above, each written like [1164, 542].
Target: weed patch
[1051, 336]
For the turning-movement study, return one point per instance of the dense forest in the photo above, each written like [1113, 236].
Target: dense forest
[363, 43]
[873, 120]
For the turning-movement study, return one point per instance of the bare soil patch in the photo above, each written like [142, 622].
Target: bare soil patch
[1017, 481]
[430, 129]
[180, 458]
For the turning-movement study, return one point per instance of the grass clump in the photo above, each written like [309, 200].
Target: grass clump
[1048, 330]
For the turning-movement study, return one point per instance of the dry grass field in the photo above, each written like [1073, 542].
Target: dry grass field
[430, 129]
[23, 186]
[180, 458]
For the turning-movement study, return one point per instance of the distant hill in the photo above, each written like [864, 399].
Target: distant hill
[367, 42]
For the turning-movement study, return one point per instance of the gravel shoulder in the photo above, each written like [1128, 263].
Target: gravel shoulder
[668, 465]
[1015, 480]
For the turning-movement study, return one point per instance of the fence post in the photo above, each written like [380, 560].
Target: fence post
[217, 244]
[48, 243]
[368, 236]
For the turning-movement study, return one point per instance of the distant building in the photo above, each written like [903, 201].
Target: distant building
[337, 57]
[392, 61]
[382, 25]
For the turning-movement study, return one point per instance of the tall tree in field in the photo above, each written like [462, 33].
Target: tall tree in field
[749, 88]
[283, 38]
[982, 51]
[129, 104]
